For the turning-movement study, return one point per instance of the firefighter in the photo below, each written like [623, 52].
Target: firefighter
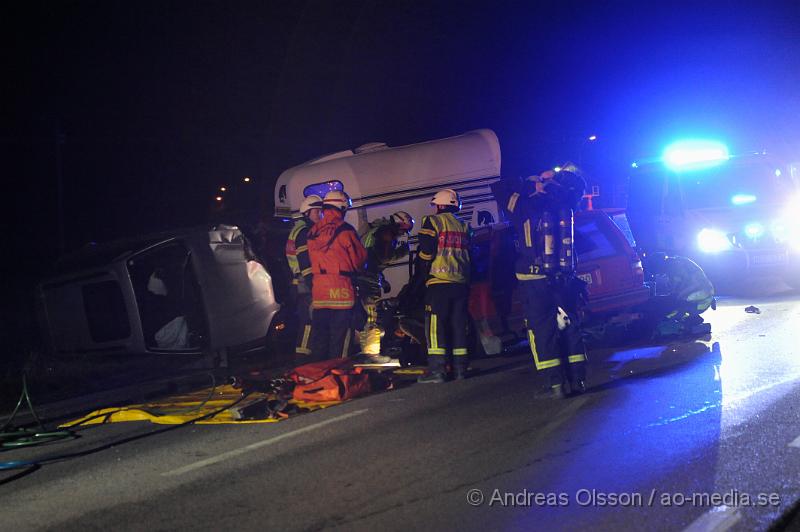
[541, 210]
[444, 263]
[383, 246]
[337, 256]
[690, 294]
[300, 264]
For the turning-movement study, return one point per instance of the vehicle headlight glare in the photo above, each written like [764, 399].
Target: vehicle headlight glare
[780, 232]
[713, 241]
[754, 230]
[794, 242]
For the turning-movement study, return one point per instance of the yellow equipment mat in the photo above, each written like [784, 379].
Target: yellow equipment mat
[208, 406]
[410, 371]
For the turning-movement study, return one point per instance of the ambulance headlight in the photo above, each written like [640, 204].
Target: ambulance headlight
[780, 232]
[786, 229]
[713, 241]
[754, 230]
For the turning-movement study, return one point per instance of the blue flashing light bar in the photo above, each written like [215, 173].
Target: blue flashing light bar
[694, 154]
[743, 199]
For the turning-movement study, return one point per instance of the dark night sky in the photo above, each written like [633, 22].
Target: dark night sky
[161, 102]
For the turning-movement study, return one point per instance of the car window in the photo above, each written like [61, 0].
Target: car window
[105, 311]
[621, 221]
[591, 243]
[169, 297]
[320, 189]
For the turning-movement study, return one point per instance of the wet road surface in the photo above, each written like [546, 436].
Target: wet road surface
[698, 435]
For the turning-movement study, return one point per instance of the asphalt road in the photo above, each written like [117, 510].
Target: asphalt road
[700, 435]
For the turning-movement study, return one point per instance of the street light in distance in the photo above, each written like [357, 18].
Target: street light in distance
[586, 140]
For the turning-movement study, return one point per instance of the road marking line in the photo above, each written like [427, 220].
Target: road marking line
[718, 519]
[795, 442]
[258, 445]
[764, 388]
[725, 401]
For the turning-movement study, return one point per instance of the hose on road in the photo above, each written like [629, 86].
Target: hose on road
[11, 437]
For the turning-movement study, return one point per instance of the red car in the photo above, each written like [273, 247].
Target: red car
[607, 263]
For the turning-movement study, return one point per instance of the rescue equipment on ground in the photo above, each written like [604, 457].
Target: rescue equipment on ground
[329, 380]
[252, 398]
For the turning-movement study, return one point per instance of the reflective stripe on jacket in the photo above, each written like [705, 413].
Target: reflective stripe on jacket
[369, 237]
[297, 250]
[450, 262]
[525, 213]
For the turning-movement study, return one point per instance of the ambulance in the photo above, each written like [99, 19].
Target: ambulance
[732, 212]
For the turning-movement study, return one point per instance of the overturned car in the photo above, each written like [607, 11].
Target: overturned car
[191, 291]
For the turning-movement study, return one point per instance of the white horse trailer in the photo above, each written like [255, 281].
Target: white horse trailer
[382, 180]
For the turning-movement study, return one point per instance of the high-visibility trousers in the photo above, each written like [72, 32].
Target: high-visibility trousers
[558, 354]
[446, 324]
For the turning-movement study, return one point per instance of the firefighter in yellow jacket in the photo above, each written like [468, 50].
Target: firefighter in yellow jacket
[300, 264]
[444, 263]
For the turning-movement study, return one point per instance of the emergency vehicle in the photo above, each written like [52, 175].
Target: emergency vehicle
[735, 215]
[381, 180]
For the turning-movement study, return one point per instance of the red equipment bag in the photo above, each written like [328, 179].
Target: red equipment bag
[316, 370]
[329, 380]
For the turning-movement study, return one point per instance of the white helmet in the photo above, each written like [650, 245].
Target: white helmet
[310, 202]
[338, 199]
[403, 219]
[447, 197]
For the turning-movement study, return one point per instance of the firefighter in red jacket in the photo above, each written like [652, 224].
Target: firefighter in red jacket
[541, 210]
[444, 263]
[300, 264]
[337, 256]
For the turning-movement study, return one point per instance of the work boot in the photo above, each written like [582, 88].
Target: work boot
[578, 387]
[557, 391]
[432, 377]
[437, 370]
[460, 373]
[701, 328]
